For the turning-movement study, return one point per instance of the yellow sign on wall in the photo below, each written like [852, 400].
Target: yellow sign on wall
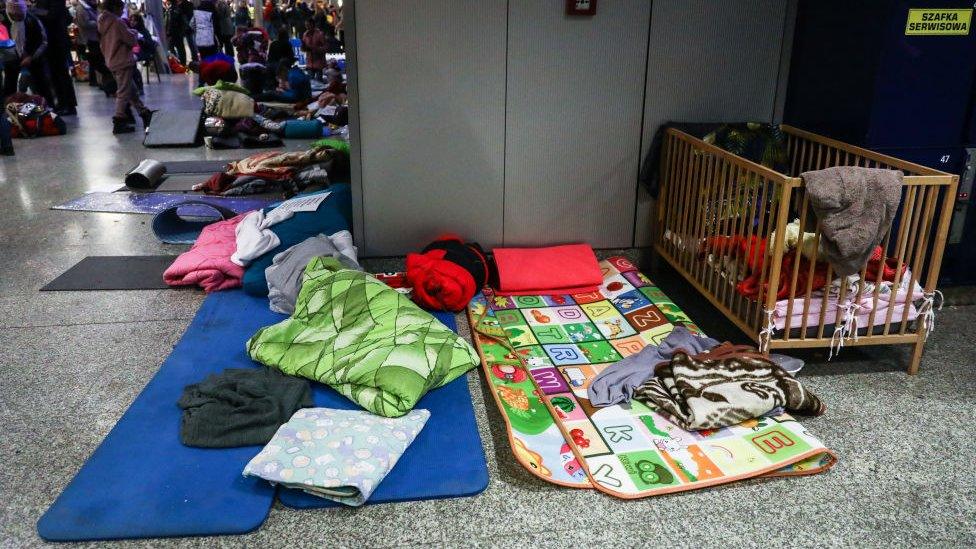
[939, 22]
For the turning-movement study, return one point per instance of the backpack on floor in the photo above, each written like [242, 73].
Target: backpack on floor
[33, 120]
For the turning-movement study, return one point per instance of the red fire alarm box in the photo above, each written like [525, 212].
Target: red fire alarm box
[580, 7]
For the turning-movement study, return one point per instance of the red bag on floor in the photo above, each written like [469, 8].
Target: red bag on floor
[174, 65]
[556, 270]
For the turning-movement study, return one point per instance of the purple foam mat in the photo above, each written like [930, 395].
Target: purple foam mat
[151, 203]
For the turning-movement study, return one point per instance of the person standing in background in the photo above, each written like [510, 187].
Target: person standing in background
[54, 15]
[280, 52]
[293, 17]
[204, 35]
[175, 27]
[273, 19]
[224, 25]
[314, 46]
[147, 45]
[335, 19]
[242, 17]
[321, 18]
[304, 12]
[117, 42]
[186, 9]
[86, 18]
[30, 40]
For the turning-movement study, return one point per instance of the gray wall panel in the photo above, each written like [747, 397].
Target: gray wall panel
[431, 86]
[575, 96]
[710, 61]
[355, 150]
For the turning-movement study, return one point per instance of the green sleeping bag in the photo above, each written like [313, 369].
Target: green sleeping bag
[364, 339]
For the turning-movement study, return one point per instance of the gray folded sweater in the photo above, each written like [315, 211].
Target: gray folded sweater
[284, 275]
[855, 207]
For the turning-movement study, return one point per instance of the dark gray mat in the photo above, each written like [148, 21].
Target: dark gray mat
[114, 273]
[176, 128]
[180, 182]
[195, 166]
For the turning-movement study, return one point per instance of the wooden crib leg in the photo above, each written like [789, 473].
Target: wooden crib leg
[916, 356]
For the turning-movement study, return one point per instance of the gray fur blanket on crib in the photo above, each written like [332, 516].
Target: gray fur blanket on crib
[855, 207]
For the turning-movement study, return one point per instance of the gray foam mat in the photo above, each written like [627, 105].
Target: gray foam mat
[195, 166]
[114, 273]
[176, 128]
[180, 182]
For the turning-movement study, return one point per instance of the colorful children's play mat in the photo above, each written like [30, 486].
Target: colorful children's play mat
[539, 354]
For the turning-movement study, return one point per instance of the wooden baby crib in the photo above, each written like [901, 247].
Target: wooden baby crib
[722, 223]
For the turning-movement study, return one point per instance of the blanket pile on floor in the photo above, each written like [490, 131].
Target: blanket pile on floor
[277, 169]
[341, 455]
[552, 362]
[724, 386]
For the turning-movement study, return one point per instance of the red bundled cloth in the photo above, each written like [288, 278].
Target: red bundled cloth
[751, 287]
[889, 267]
[447, 273]
[752, 249]
[556, 270]
[175, 66]
[213, 71]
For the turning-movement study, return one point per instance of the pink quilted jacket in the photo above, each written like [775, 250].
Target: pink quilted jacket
[208, 263]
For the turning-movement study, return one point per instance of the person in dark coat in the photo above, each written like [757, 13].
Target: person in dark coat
[186, 8]
[224, 25]
[55, 17]
[280, 52]
[30, 37]
[242, 17]
[176, 27]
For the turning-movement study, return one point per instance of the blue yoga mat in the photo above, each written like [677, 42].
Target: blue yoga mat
[142, 482]
[183, 223]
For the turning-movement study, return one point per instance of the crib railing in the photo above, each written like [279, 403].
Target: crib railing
[711, 199]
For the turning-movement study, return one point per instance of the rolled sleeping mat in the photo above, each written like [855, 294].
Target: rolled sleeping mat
[303, 129]
[182, 223]
[146, 176]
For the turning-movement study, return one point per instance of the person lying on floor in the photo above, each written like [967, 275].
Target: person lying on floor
[293, 86]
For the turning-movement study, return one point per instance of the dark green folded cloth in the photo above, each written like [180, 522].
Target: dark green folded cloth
[240, 407]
